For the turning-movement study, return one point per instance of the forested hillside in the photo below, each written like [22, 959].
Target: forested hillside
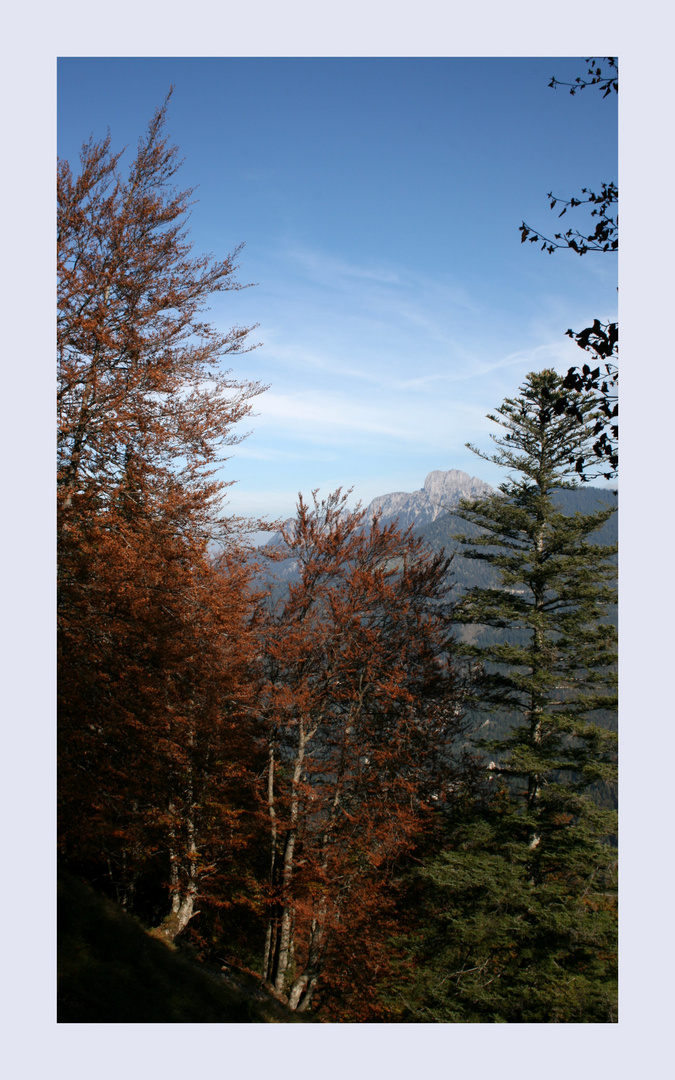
[466, 573]
[287, 781]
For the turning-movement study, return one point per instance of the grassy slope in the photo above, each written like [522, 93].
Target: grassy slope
[110, 970]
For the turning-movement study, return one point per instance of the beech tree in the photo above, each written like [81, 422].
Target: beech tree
[154, 742]
[153, 639]
[139, 376]
[522, 922]
[361, 702]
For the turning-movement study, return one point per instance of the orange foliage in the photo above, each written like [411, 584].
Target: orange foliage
[362, 704]
[200, 730]
[154, 638]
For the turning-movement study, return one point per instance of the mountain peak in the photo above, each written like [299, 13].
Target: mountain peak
[455, 484]
[441, 491]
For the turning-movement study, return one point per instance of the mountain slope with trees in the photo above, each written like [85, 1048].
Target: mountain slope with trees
[442, 533]
[283, 780]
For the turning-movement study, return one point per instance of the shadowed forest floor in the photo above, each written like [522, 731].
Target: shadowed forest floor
[111, 970]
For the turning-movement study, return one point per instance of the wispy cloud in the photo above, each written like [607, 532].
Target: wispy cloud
[327, 419]
[378, 370]
[321, 410]
[323, 267]
[414, 295]
[267, 453]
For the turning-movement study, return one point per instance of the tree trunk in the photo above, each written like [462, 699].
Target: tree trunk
[277, 958]
[182, 911]
[271, 937]
[303, 988]
[183, 897]
[534, 779]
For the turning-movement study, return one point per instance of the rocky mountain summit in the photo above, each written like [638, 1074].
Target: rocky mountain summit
[441, 491]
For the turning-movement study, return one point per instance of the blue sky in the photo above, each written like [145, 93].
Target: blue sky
[379, 200]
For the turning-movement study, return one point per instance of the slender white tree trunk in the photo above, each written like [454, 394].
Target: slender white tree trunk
[183, 894]
[285, 929]
[272, 925]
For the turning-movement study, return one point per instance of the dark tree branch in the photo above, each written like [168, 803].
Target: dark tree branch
[605, 80]
[605, 236]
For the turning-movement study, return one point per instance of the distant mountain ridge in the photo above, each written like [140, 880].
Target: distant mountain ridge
[441, 491]
[429, 511]
[468, 573]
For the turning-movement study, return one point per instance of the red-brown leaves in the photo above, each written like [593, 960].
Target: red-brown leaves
[153, 678]
[154, 641]
[360, 703]
[138, 368]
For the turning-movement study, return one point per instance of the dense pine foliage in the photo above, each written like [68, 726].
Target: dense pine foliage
[521, 904]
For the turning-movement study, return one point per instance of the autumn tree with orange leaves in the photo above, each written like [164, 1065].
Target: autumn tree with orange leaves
[142, 401]
[153, 637]
[362, 707]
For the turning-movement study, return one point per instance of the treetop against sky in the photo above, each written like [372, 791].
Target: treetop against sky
[379, 201]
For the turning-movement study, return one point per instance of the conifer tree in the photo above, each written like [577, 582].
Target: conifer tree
[522, 902]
